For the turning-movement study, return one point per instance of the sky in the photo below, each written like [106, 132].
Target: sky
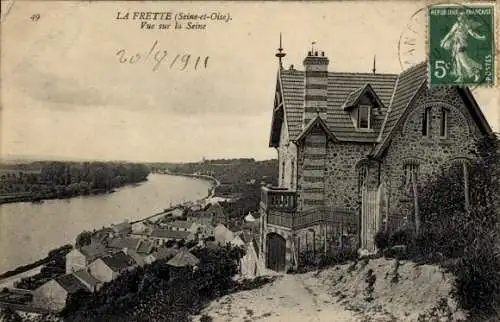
[66, 95]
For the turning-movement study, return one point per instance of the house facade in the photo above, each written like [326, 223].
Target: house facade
[53, 294]
[80, 258]
[352, 148]
[107, 268]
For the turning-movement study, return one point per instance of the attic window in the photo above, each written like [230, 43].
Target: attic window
[364, 117]
[426, 122]
[444, 123]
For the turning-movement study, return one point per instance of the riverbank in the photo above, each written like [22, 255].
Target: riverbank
[214, 180]
[211, 194]
[37, 198]
[28, 233]
[180, 203]
[58, 252]
[40, 198]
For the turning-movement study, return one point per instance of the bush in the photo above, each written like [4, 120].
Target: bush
[381, 240]
[478, 281]
[402, 237]
[340, 257]
[206, 318]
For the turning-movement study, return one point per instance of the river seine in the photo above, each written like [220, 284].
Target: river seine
[28, 230]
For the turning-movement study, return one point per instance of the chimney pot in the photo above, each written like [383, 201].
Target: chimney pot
[323, 53]
[309, 53]
[315, 53]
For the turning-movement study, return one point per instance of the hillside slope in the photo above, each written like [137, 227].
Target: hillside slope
[340, 294]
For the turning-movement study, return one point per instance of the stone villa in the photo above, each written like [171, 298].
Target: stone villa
[351, 149]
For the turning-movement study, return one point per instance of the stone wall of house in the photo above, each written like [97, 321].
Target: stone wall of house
[341, 174]
[328, 172]
[429, 152]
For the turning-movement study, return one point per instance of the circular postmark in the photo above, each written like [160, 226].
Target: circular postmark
[411, 45]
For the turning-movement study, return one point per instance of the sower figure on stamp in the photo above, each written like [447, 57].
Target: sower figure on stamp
[463, 66]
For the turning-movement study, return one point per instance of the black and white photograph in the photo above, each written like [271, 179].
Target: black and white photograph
[283, 161]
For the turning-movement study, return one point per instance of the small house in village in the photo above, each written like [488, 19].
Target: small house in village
[139, 245]
[222, 234]
[214, 209]
[141, 228]
[53, 294]
[201, 217]
[182, 264]
[90, 282]
[162, 235]
[202, 231]
[177, 225]
[123, 228]
[80, 258]
[353, 149]
[107, 268]
[161, 253]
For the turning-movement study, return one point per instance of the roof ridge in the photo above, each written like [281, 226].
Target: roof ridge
[385, 140]
[411, 68]
[389, 108]
[343, 73]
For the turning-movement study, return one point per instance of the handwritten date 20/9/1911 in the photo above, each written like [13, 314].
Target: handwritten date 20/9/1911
[158, 57]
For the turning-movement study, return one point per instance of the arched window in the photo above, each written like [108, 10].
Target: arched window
[443, 130]
[426, 122]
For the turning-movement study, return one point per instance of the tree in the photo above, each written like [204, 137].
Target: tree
[460, 217]
[84, 238]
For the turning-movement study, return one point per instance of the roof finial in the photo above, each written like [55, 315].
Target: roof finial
[374, 62]
[312, 47]
[280, 54]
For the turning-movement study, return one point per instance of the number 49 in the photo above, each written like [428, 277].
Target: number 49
[440, 68]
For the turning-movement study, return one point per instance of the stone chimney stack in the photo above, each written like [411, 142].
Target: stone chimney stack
[316, 85]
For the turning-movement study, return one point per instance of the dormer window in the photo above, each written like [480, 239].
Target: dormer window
[364, 117]
[359, 104]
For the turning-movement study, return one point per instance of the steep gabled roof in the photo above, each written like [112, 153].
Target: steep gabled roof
[165, 252]
[119, 261]
[93, 250]
[408, 84]
[315, 122]
[396, 92]
[85, 276]
[475, 111]
[340, 85]
[124, 242]
[355, 96]
[144, 247]
[70, 283]
[183, 258]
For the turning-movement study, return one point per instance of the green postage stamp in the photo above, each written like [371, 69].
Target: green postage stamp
[461, 45]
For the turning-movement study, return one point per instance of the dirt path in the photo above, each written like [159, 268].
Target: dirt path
[289, 298]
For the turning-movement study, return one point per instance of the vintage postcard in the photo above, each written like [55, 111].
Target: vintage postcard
[249, 161]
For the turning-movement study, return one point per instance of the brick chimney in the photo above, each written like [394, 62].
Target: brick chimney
[316, 85]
